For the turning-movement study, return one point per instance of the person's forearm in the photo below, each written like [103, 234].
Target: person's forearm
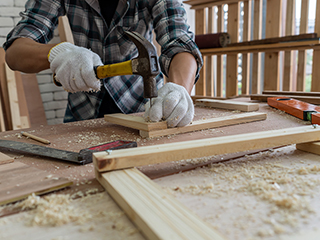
[183, 69]
[28, 56]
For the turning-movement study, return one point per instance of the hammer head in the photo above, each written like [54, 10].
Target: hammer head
[146, 64]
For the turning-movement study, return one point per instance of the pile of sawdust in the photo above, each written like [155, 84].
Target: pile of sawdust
[52, 210]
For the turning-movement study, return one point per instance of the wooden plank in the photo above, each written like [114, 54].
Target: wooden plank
[2, 121]
[209, 59]
[4, 92]
[291, 93]
[64, 29]
[200, 29]
[195, 97]
[126, 158]
[312, 147]
[228, 104]
[19, 180]
[288, 55]
[315, 83]
[290, 38]
[207, 124]
[33, 98]
[256, 57]
[13, 98]
[232, 59]
[245, 82]
[136, 122]
[308, 99]
[220, 28]
[23, 107]
[272, 59]
[156, 213]
[5, 159]
[302, 54]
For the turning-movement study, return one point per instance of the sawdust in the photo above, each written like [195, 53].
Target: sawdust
[285, 191]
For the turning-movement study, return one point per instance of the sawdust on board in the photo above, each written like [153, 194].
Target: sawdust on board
[284, 192]
[55, 210]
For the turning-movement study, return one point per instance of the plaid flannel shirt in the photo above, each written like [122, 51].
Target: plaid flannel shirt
[167, 18]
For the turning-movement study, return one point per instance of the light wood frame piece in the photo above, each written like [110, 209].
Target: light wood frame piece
[127, 158]
[227, 104]
[156, 213]
[158, 129]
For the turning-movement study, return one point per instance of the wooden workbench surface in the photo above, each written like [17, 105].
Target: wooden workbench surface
[227, 203]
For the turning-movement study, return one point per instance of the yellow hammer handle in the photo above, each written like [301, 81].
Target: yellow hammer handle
[116, 69]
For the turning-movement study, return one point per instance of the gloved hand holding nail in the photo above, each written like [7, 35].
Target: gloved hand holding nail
[173, 105]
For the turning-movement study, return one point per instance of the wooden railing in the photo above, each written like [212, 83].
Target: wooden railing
[221, 75]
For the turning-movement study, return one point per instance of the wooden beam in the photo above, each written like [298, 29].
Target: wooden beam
[195, 97]
[156, 213]
[256, 57]
[308, 99]
[23, 106]
[64, 30]
[274, 47]
[207, 124]
[295, 93]
[220, 67]
[227, 104]
[127, 158]
[13, 98]
[232, 59]
[288, 55]
[5, 159]
[312, 147]
[136, 122]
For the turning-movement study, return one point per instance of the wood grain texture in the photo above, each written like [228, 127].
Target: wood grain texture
[292, 93]
[64, 29]
[135, 122]
[13, 98]
[312, 147]
[156, 213]
[232, 59]
[19, 180]
[227, 104]
[5, 159]
[23, 106]
[140, 156]
[206, 124]
[308, 99]
[200, 21]
[34, 102]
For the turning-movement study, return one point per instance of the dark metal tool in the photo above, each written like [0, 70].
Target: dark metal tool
[83, 157]
[145, 65]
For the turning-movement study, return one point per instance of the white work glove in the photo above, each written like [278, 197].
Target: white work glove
[173, 104]
[74, 67]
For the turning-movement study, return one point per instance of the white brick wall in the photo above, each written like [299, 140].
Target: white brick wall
[54, 98]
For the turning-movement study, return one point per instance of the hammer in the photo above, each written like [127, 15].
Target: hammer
[146, 65]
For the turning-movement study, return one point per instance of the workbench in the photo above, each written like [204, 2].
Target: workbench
[217, 189]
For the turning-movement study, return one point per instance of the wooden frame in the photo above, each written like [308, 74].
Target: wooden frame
[228, 104]
[127, 158]
[157, 214]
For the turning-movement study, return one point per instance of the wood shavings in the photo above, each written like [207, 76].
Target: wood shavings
[53, 210]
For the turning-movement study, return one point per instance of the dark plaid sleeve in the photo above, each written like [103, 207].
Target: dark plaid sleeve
[38, 22]
[173, 33]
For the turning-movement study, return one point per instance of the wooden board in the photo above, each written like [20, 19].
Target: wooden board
[19, 180]
[23, 107]
[4, 92]
[135, 122]
[308, 99]
[312, 147]
[156, 213]
[227, 104]
[5, 159]
[13, 98]
[33, 98]
[207, 124]
[150, 130]
[126, 158]
[294, 93]
[64, 29]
